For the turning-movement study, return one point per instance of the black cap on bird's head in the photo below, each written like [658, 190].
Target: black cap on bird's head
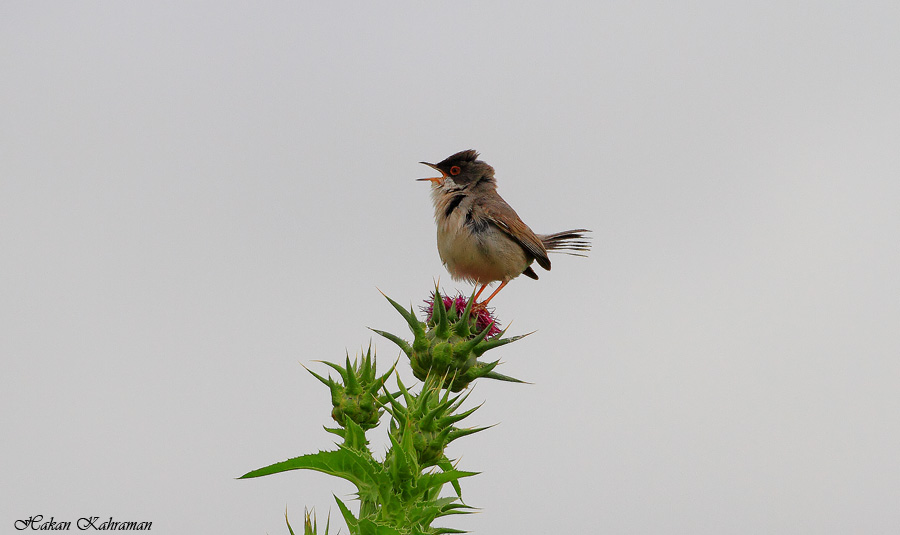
[462, 168]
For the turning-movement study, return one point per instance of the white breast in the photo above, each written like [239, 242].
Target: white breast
[485, 255]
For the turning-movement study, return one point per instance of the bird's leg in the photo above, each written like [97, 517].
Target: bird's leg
[475, 299]
[488, 300]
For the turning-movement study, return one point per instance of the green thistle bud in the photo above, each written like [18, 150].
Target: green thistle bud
[356, 398]
[450, 342]
[425, 423]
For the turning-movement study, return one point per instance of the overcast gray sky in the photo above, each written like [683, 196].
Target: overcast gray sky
[194, 198]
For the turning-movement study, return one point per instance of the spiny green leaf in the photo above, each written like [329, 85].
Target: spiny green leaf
[445, 465]
[407, 397]
[442, 531]
[501, 377]
[462, 326]
[496, 342]
[459, 509]
[438, 479]
[400, 462]
[343, 463]
[458, 433]
[381, 529]
[483, 368]
[401, 343]
[351, 520]
[408, 315]
[343, 372]
[352, 382]
[377, 384]
[355, 437]
[439, 316]
[453, 418]
[443, 502]
[464, 348]
[327, 382]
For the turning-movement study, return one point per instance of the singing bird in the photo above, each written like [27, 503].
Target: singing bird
[480, 238]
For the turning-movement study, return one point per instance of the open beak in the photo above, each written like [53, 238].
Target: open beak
[434, 180]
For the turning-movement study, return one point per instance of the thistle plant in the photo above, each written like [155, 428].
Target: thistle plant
[404, 492]
[450, 342]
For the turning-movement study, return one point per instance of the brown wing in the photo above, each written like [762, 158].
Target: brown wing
[502, 215]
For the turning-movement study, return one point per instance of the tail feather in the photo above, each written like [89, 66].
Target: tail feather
[571, 242]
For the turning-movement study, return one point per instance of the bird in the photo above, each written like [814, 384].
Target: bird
[480, 238]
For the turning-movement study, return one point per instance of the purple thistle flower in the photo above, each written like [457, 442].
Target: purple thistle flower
[483, 317]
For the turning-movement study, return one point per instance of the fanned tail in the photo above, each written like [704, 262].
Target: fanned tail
[571, 242]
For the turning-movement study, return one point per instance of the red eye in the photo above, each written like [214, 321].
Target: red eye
[454, 170]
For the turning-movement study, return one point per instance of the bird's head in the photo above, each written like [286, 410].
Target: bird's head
[460, 170]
